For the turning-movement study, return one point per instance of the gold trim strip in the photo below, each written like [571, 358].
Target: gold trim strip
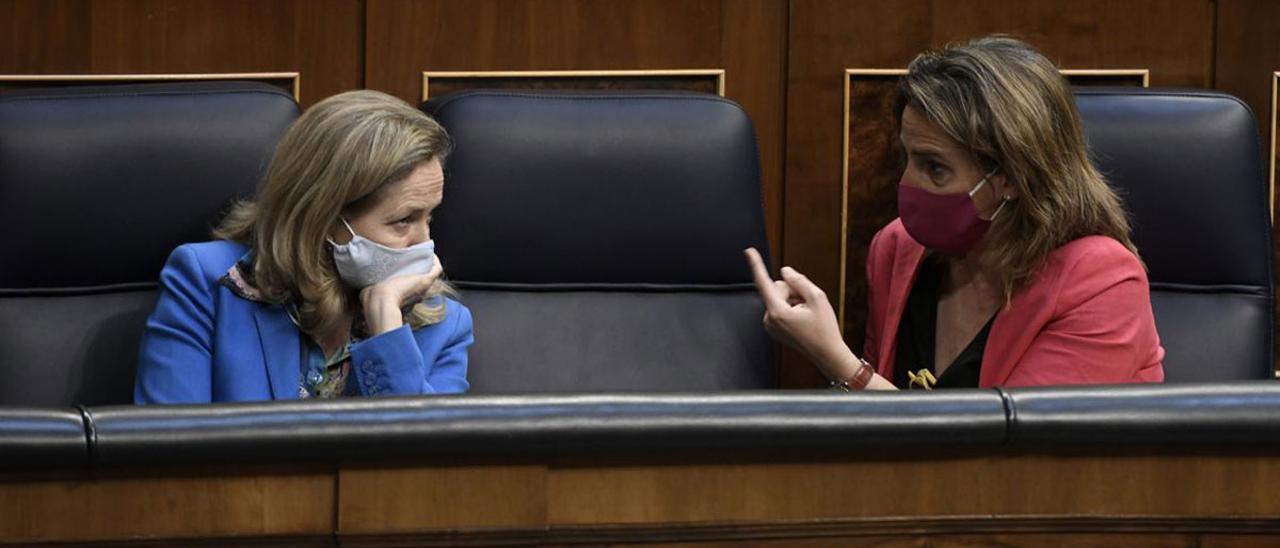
[1271, 166]
[849, 73]
[719, 74]
[294, 77]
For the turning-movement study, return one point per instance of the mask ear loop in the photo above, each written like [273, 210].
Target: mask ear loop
[349, 229]
[1003, 200]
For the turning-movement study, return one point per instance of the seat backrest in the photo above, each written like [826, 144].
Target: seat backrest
[598, 237]
[97, 186]
[1187, 165]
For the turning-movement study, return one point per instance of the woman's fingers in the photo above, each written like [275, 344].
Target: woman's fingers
[764, 284]
[802, 286]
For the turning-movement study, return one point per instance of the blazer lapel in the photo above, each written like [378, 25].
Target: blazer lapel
[906, 265]
[280, 348]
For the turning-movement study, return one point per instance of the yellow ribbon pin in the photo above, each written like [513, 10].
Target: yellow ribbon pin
[924, 379]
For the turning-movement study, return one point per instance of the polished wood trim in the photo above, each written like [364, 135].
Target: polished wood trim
[294, 78]
[137, 505]
[719, 75]
[1059, 526]
[251, 541]
[1271, 163]
[669, 497]
[384, 499]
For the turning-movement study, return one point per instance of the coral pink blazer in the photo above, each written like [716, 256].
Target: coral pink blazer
[1084, 319]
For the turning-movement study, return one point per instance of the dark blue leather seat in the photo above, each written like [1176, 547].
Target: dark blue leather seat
[1187, 164]
[97, 186]
[598, 240]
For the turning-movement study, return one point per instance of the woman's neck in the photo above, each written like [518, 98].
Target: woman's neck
[332, 340]
[969, 273]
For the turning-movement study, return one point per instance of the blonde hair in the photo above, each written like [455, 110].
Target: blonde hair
[339, 152]
[1008, 105]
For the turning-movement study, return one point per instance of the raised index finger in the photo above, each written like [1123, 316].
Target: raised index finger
[764, 284]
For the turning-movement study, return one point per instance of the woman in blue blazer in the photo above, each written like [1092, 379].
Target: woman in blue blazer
[327, 283]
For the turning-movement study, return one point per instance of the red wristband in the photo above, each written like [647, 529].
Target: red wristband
[860, 379]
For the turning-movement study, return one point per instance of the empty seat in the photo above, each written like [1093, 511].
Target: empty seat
[1186, 163]
[97, 186]
[597, 238]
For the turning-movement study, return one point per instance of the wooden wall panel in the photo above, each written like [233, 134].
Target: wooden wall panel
[158, 503]
[874, 496]
[1172, 38]
[1248, 51]
[321, 39]
[746, 38]
[44, 37]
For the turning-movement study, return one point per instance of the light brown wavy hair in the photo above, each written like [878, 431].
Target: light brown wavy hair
[340, 152]
[1008, 105]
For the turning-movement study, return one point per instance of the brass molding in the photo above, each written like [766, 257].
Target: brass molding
[851, 73]
[1271, 166]
[294, 79]
[718, 74]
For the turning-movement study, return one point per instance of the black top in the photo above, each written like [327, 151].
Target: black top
[917, 335]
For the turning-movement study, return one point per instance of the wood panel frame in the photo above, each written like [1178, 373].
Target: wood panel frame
[718, 74]
[1271, 161]
[292, 80]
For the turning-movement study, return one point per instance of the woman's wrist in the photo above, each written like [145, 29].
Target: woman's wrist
[838, 362]
[382, 313]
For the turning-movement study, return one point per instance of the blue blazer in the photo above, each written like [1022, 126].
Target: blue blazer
[205, 343]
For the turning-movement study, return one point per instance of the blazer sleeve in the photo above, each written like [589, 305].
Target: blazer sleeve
[397, 363]
[1103, 330]
[174, 361]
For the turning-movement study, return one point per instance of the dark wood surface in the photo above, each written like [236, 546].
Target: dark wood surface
[1210, 496]
[320, 39]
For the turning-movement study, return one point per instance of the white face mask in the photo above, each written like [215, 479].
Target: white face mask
[363, 262]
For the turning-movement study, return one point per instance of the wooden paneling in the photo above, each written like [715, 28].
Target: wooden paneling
[746, 38]
[1172, 38]
[964, 497]
[321, 39]
[44, 36]
[382, 500]
[881, 484]
[1248, 51]
[167, 504]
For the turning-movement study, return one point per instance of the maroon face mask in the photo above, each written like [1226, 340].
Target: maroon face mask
[946, 223]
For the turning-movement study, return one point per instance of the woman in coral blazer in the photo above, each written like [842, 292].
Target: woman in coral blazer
[1011, 262]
